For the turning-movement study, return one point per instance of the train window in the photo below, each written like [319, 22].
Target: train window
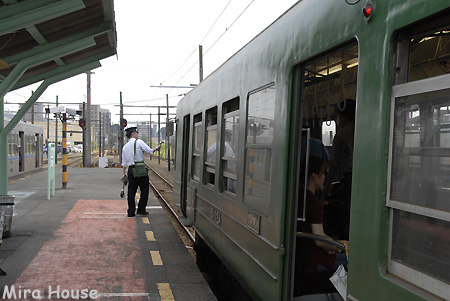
[229, 142]
[258, 157]
[327, 81]
[29, 144]
[13, 145]
[328, 132]
[211, 144]
[197, 146]
[419, 161]
[261, 114]
[429, 53]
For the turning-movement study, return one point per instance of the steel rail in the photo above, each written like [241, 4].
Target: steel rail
[185, 229]
[162, 178]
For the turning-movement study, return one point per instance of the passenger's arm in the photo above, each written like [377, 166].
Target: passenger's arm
[317, 229]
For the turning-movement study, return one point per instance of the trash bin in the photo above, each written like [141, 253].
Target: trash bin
[6, 211]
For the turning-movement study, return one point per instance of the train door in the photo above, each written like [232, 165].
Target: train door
[185, 160]
[21, 151]
[324, 87]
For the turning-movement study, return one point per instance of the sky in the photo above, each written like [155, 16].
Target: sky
[157, 44]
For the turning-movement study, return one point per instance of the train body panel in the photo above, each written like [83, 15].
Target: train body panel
[25, 148]
[250, 228]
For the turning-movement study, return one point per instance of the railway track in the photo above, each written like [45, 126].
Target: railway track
[164, 190]
[160, 181]
[74, 160]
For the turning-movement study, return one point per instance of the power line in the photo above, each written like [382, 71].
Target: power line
[154, 99]
[195, 50]
[229, 27]
[215, 22]
[235, 20]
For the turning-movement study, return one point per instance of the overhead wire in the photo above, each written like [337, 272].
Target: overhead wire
[195, 49]
[153, 99]
[229, 27]
[212, 26]
[218, 39]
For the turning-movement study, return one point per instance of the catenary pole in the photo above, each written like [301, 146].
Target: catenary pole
[88, 121]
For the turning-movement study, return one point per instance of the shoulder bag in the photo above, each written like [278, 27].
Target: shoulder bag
[139, 169]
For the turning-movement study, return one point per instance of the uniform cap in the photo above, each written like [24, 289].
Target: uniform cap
[130, 131]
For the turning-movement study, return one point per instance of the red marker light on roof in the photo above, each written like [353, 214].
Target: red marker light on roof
[367, 11]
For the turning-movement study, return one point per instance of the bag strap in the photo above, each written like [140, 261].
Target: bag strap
[134, 157]
[135, 150]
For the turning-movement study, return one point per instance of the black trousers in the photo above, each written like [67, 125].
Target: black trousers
[133, 184]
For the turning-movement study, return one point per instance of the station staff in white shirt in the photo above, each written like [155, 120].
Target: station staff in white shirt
[128, 159]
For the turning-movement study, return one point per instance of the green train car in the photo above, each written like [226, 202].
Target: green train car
[238, 145]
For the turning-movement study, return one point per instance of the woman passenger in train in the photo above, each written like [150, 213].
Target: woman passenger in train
[319, 256]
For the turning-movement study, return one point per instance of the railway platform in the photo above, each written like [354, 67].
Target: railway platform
[80, 244]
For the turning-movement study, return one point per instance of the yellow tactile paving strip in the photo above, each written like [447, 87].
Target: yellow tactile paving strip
[164, 289]
[156, 258]
[165, 292]
[150, 236]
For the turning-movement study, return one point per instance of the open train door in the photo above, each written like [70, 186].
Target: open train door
[320, 86]
[185, 165]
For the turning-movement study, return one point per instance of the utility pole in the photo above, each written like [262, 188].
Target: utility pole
[56, 135]
[150, 134]
[48, 126]
[168, 138]
[88, 122]
[200, 59]
[100, 134]
[159, 133]
[120, 130]
[84, 135]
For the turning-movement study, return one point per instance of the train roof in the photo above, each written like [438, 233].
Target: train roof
[22, 125]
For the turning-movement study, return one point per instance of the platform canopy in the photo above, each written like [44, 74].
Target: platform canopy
[52, 37]
[48, 41]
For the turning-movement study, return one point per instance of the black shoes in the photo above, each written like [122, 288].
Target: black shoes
[140, 213]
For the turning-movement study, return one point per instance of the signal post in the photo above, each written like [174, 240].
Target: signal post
[82, 124]
[64, 150]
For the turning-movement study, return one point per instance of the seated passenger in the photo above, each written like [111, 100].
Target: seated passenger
[318, 256]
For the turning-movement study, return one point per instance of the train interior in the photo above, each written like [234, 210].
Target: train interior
[328, 82]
